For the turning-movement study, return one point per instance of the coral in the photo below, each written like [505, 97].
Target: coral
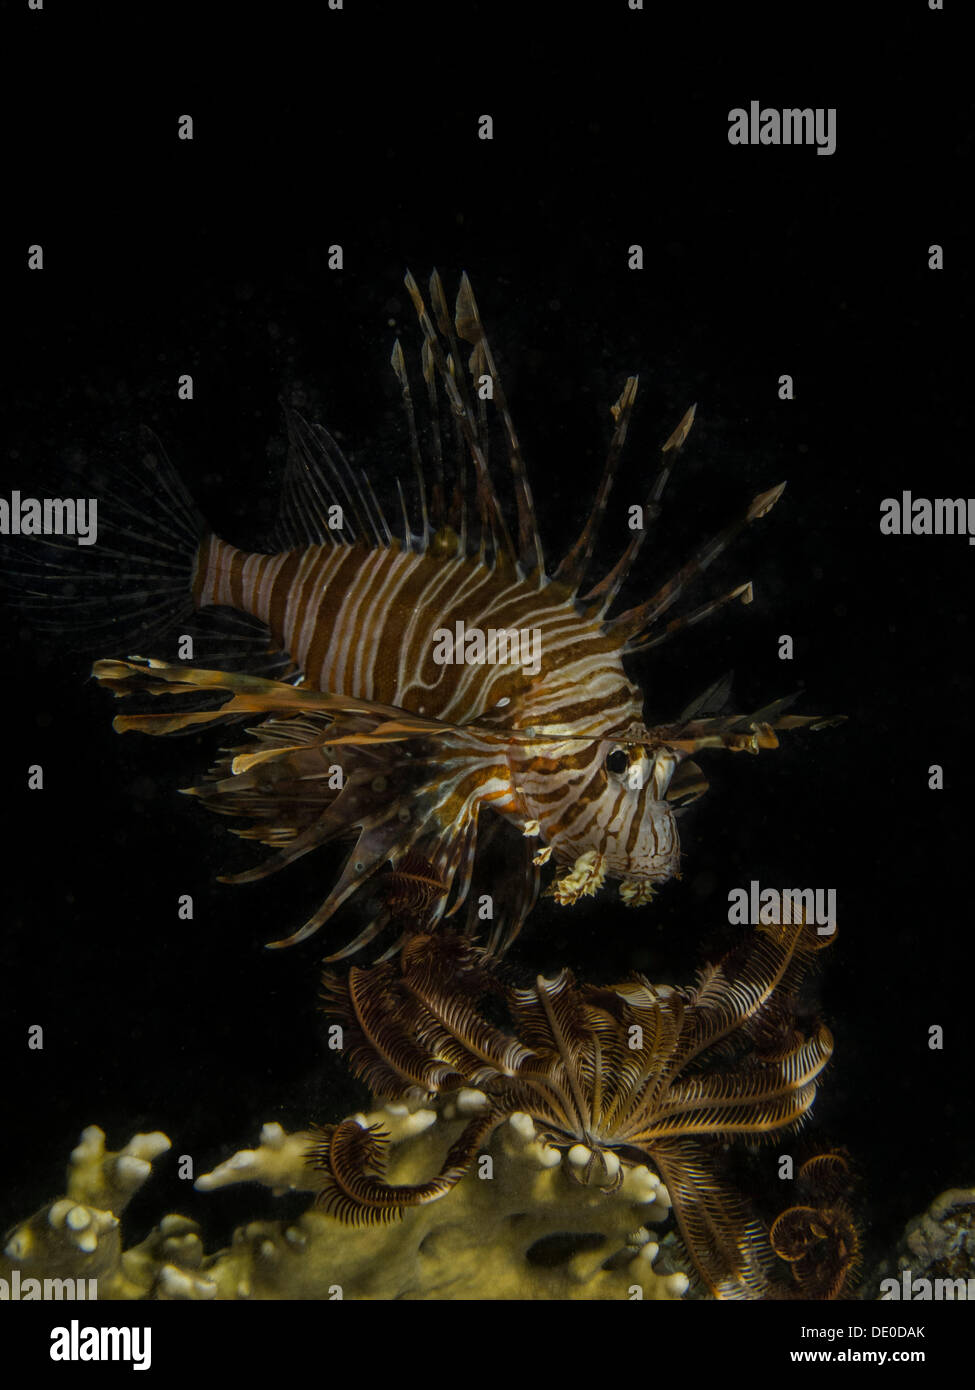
[936, 1250]
[78, 1236]
[942, 1240]
[522, 1229]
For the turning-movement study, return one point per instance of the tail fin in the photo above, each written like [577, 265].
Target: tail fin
[131, 579]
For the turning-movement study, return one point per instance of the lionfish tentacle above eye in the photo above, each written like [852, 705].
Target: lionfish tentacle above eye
[436, 695]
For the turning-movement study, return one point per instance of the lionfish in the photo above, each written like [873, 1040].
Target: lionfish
[457, 778]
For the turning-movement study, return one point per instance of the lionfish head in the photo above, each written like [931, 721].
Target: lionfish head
[620, 824]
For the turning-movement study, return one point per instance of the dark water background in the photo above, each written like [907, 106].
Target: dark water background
[211, 257]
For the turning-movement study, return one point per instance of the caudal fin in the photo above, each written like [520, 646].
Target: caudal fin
[131, 579]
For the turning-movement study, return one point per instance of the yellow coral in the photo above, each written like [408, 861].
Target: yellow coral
[481, 1242]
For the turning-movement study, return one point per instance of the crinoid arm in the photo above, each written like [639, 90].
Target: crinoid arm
[729, 1245]
[817, 1236]
[412, 1028]
[352, 1158]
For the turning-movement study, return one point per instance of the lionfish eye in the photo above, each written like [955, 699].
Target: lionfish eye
[617, 761]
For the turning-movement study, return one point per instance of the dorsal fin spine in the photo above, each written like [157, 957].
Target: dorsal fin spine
[606, 590]
[455, 387]
[573, 567]
[379, 511]
[318, 466]
[407, 533]
[469, 327]
[634, 625]
[399, 367]
[439, 501]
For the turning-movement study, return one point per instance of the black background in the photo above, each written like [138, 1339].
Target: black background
[210, 257]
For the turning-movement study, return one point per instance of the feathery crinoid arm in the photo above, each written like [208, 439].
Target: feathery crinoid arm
[760, 1099]
[728, 1244]
[352, 1158]
[735, 999]
[413, 1029]
[382, 1040]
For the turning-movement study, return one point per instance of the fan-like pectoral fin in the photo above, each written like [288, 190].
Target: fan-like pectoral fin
[253, 695]
[323, 766]
[376, 845]
[368, 721]
[502, 887]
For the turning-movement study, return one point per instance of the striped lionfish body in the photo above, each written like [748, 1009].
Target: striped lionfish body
[440, 696]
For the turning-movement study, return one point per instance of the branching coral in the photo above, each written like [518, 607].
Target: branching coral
[521, 1229]
[78, 1237]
